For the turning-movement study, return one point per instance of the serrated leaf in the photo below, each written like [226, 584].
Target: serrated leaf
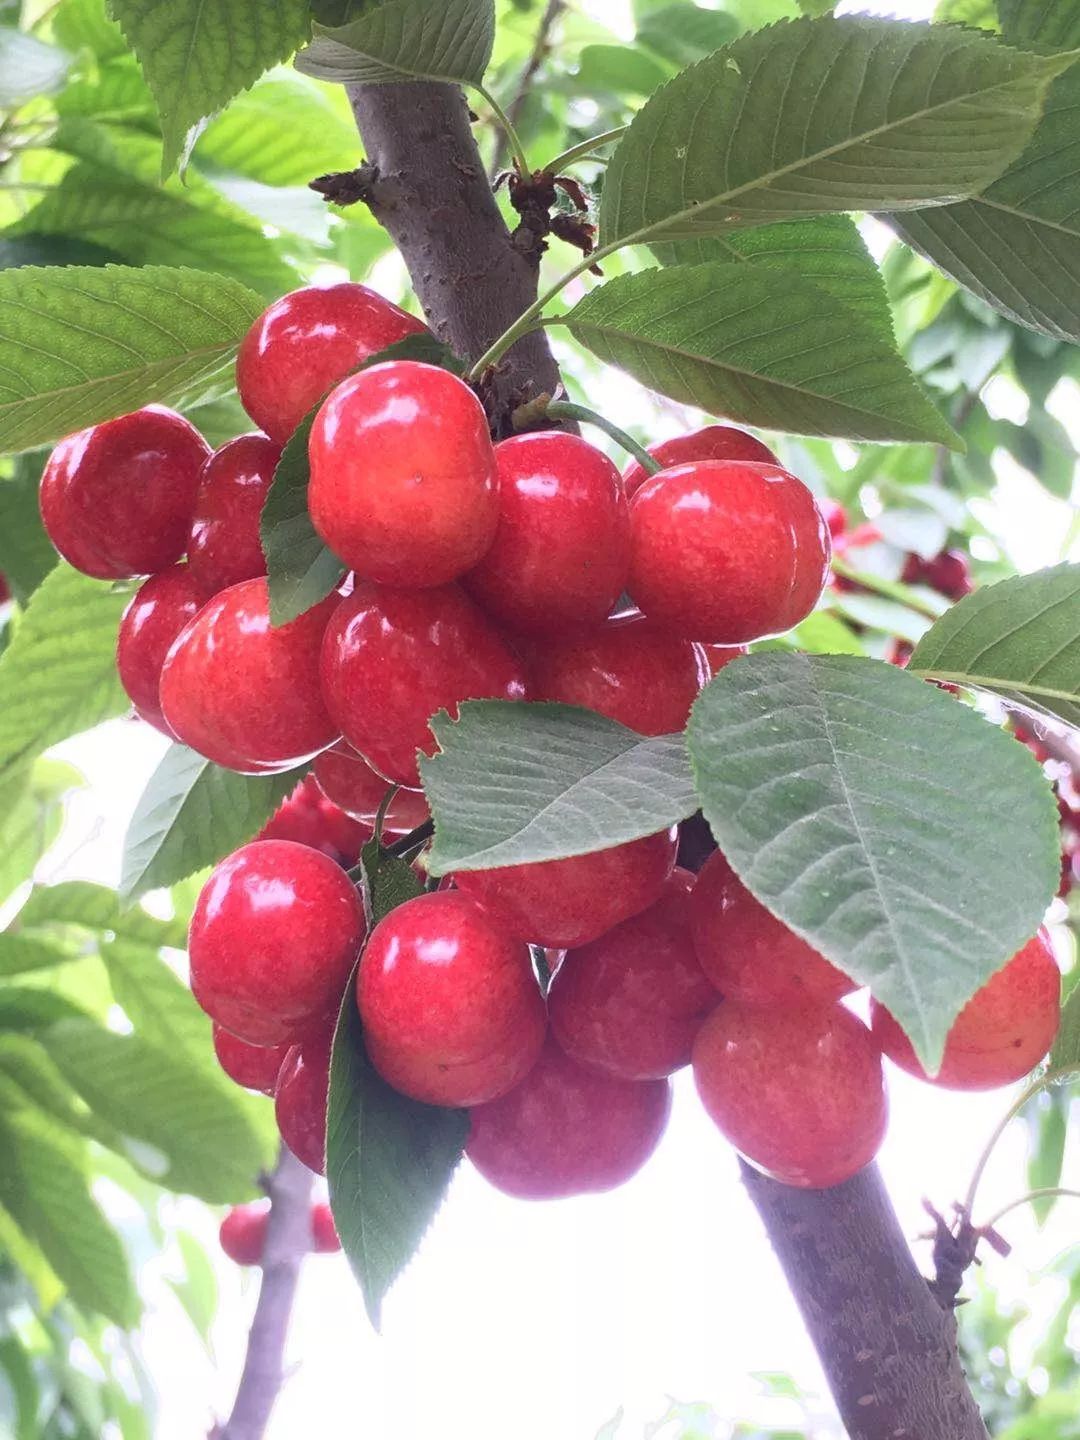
[28, 67]
[192, 813]
[1066, 1051]
[256, 135]
[762, 345]
[814, 116]
[683, 33]
[514, 783]
[851, 799]
[1019, 638]
[388, 881]
[97, 908]
[161, 1008]
[83, 25]
[405, 40]
[86, 343]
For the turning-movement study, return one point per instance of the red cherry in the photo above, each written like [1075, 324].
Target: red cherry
[727, 551]
[1000, 1035]
[714, 442]
[5, 589]
[300, 1100]
[392, 658]
[275, 932]
[717, 656]
[403, 479]
[566, 1130]
[224, 546]
[750, 955]
[244, 694]
[255, 1067]
[243, 1233]
[324, 1236]
[561, 552]
[799, 1092]
[451, 1009]
[628, 669]
[349, 782]
[160, 609]
[947, 573]
[630, 1003]
[305, 343]
[309, 818]
[117, 499]
[835, 516]
[565, 903]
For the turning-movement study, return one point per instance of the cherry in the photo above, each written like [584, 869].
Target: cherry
[224, 546]
[403, 479]
[160, 609]
[451, 1009]
[717, 656]
[349, 781]
[5, 589]
[324, 1236]
[560, 555]
[726, 551]
[714, 442]
[948, 573]
[243, 1233]
[255, 1067]
[799, 1092]
[309, 818]
[305, 343]
[750, 955]
[244, 694]
[628, 669]
[835, 516]
[117, 499]
[630, 1003]
[1000, 1035]
[272, 941]
[566, 1130]
[300, 1100]
[392, 658]
[565, 903]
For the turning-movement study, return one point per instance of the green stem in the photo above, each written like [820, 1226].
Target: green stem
[583, 149]
[567, 410]
[891, 589]
[512, 139]
[1045, 1194]
[1035, 1088]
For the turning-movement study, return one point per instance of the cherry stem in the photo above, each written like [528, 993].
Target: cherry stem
[1049, 1192]
[891, 589]
[582, 151]
[1035, 1088]
[512, 138]
[380, 815]
[415, 840]
[567, 410]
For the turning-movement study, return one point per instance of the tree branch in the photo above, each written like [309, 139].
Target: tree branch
[552, 10]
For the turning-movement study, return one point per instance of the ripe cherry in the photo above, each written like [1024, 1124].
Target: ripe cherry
[630, 1003]
[392, 658]
[561, 551]
[117, 499]
[255, 1067]
[799, 1092]
[349, 782]
[565, 903]
[309, 818]
[224, 546]
[273, 938]
[305, 343]
[726, 551]
[300, 1100]
[244, 694]
[160, 609]
[835, 516]
[1000, 1035]
[566, 1130]
[714, 442]
[451, 1009]
[5, 589]
[717, 656]
[243, 1233]
[403, 480]
[750, 955]
[324, 1236]
[948, 573]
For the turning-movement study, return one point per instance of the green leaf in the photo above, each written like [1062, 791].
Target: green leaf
[405, 40]
[1050, 26]
[17, 1247]
[28, 67]
[619, 70]
[851, 798]
[763, 345]
[388, 881]
[86, 343]
[1066, 1052]
[815, 116]
[198, 1290]
[197, 54]
[83, 25]
[515, 783]
[1048, 1129]
[256, 135]
[161, 1008]
[20, 954]
[30, 820]
[1019, 638]
[97, 908]
[683, 33]
[26, 552]
[191, 813]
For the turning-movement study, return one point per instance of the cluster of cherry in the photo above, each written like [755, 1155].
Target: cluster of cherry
[243, 1232]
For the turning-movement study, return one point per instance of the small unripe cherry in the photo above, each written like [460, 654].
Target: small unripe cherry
[243, 1233]
[348, 781]
[255, 1067]
[159, 610]
[301, 1097]
[224, 545]
[309, 818]
[714, 442]
[324, 1236]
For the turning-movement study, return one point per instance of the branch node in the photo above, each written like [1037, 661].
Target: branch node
[347, 187]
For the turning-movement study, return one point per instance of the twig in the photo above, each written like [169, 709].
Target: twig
[552, 10]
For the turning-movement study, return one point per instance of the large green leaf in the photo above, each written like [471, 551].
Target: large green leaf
[760, 343]
[1043, 24]
[405, 40]
[1019, 638]
[820, 115]
[30, 819]
[81, 904]
[161, 1008]
[256, 135]
[86, 343]
[26, 552]
[851, 799]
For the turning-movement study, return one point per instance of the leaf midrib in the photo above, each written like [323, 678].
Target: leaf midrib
[1001, 683]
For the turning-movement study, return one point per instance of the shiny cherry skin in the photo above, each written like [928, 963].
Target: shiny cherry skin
[948, 573]
[565, 903]
[309, 818]
[627, 669]
[300, 1100]
[566, 1130]
[243, 1233]
[224, 546]
[324, 1236]
[255, 1067]
[451, 1009]
[350, 783]
[272, 942]
[631, 1003]
[160, 609]
[726, 551]
[714, 442]
[799, 1092]
[244, 694]
[561, 552]
[305, 343]
[392, 658]
[403, 483]
[717, 656]
[117, 499]
[750, 955]
[1000, 1035]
